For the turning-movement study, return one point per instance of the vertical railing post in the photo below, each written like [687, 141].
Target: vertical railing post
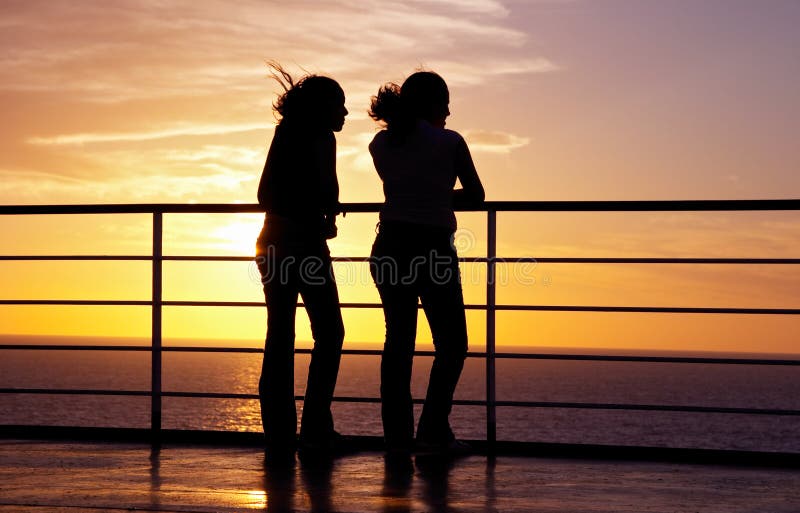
[491, 253]
[155, 350]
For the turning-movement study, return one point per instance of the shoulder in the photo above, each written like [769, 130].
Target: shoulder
[445, 135]
[379, 141]
[449, 139]
[452, 136]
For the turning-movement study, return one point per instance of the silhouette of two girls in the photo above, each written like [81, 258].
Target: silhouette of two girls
[412, 259]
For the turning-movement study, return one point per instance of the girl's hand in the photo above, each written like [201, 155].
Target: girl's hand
[329, 230]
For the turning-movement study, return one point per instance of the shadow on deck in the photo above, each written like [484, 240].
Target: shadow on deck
[229, 475]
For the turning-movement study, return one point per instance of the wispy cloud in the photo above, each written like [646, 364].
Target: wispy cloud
[126, 50]
[35, 187]
[164, 133]
[490, 7]
[463, 73]
[493, 142]
[177, 92]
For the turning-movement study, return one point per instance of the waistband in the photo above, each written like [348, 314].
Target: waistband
[414, 228]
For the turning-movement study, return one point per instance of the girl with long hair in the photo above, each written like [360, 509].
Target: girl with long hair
[300, 193]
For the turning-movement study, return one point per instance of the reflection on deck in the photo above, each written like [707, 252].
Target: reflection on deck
[58, 476]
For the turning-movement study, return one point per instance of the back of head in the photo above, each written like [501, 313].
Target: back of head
[423, 96]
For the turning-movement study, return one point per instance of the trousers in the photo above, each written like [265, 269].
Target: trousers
[291, 263]
[408, 263]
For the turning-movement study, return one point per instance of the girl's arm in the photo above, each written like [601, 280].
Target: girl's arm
[325, 153]
[266, 184]
[471, 194]
[325, 158]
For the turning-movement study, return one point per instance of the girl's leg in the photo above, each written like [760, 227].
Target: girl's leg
[443, 301]
[276, 385]
[321, 298]
[397, 408]
[399, 301]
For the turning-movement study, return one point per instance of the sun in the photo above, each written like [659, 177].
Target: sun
[238, 237]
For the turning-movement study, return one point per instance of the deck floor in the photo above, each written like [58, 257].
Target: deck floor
[43, 476]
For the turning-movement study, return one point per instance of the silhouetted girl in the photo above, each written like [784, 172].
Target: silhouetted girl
[413, 255]
[300, 193]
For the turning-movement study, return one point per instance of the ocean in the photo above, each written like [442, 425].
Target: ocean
[738, 386]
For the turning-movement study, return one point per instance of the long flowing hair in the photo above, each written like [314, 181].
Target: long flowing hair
[306, 100]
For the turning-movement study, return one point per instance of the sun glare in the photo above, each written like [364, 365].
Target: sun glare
[238, 237]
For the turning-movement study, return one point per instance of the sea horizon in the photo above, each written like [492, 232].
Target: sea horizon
[67, 340]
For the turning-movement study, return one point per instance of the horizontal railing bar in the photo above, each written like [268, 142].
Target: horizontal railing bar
[200, 349]
[235, 303]
[75, 302]
[197, 349]
[458, 402]
[78, 257]
[261, 304]
[611, 260]
[72, 347]
[193, 349]
[648, 359]
[507, 206]
[73, 391]
[647, 309]
[510, 308]
[498, 260]
[212, 258]
[642, 206]
[92, 302]
[358, 352]
[516, 260]
[649, 407]
[379, 352]
[215, 395]
[377, 400]
[132, 208]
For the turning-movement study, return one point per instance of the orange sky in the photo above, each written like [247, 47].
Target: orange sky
[558, 99]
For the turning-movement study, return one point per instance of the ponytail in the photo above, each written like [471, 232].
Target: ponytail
[387, 107]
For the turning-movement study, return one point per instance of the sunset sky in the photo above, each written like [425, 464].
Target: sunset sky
[170, 102]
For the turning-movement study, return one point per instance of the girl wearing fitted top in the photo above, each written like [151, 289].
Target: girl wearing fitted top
[413, 257]
[300, 194]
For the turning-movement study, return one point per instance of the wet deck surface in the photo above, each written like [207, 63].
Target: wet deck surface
[38, 476]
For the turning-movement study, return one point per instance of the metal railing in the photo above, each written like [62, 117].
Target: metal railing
[157, 303]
